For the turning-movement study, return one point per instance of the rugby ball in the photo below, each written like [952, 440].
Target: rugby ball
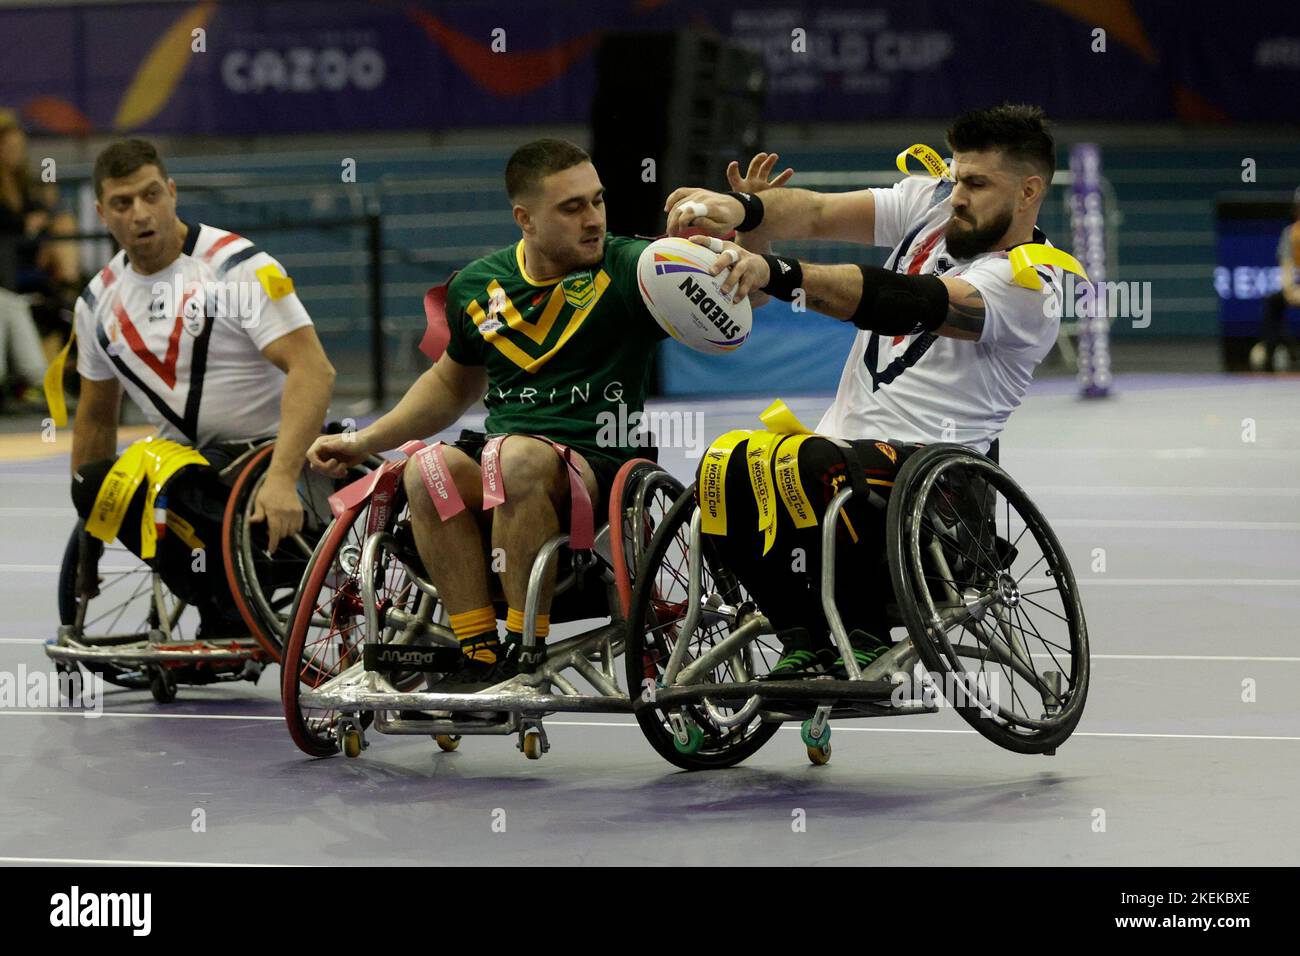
[673, 275]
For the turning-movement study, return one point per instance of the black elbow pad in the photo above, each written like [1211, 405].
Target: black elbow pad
[895, 304]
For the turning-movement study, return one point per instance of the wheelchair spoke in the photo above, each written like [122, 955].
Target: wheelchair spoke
[960, 551]
[1047, 609]
[1069, 673]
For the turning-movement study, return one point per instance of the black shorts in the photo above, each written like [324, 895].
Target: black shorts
[786, 580]
[472, 442]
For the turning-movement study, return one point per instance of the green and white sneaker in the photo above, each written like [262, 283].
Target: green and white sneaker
[866, 648]
[798, 658]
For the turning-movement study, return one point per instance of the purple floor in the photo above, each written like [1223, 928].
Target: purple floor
[1188, 752]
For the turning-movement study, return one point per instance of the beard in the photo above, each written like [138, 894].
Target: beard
[975, 238]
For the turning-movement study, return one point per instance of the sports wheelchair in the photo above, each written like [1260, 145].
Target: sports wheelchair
[368, 638]
[119, 620]
[991, 611]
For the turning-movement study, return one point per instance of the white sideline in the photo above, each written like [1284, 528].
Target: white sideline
[624, 723]
[72, 861]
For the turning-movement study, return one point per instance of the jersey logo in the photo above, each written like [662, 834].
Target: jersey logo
[898, 366]
[518, 338]
[579, 288]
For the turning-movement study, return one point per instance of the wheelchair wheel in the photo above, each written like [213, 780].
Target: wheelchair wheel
[640, 496]
[327, 627]
[128, 602]
[658, 608]
[264, 586]
[989, 598]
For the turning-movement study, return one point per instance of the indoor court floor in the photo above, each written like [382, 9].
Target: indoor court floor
[1188, 751]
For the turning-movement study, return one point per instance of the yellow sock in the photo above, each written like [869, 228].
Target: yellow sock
[515, 623]
[477, 632]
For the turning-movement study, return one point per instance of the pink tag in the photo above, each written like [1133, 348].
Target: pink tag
[356, 493]
[494, 489]
[582, 522]
[437, 481]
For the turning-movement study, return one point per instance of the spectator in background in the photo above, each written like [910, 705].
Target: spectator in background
[1265, 354]
[22, 218]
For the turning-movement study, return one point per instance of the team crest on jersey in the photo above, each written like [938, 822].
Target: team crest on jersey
[496, 305]
[114, 334]
[888, 451]
[579, 289]
[193, 314]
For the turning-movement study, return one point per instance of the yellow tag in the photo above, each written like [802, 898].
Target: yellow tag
[115, 493]
[932, 161]
[758, 461]
[778, 418]
[712, 492]
[788, 483]
[1024, 258]
[54, 385]
[154, 458]
[184, 530]
[274, 281]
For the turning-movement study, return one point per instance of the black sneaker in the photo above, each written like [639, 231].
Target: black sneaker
[474, 676]
[866, 648]
[798, 658]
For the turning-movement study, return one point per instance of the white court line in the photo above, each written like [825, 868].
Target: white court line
[1160, 491]
[56, 568]
[1179, 582]
[924, 730]
[1246, 453]
[1095, 657]
[85, 714]
[1131, 582]
[1175, 524]
[75, 861]
[630, 724]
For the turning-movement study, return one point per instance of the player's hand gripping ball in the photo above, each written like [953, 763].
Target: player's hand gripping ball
[688, 302]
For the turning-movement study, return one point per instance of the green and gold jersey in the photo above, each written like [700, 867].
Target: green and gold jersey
[569, 359]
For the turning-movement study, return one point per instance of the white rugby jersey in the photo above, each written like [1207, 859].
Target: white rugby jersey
[928, 388]
[190, 356]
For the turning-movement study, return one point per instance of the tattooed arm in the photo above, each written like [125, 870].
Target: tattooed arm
[965, 311]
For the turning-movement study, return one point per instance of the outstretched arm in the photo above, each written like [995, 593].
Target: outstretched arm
[435, 401]
[869, 297]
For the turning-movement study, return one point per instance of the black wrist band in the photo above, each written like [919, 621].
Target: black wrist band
[753, 211]
[785, 279]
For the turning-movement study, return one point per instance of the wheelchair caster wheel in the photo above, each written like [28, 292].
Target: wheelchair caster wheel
[351, 742]
[532, 746]
[820, 755]
[69, 685]
[695, 739]
[447, 742]
[813, 743]
[162, 685]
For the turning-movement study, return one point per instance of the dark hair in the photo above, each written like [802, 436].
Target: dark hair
[1014, 129]
[122, 159]
[534, 161]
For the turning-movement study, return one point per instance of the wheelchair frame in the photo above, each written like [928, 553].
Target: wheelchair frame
[867, 692]
[541, 687]
[154, 658]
